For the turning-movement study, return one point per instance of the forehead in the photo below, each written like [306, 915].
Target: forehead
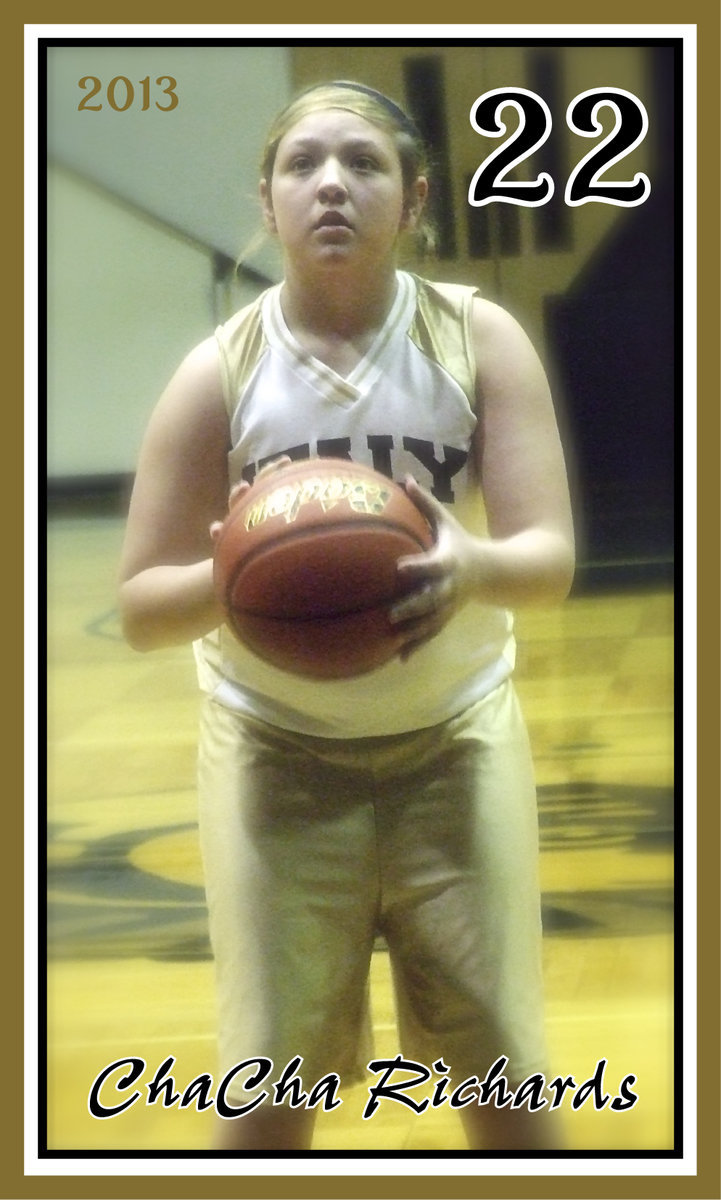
[335, 125]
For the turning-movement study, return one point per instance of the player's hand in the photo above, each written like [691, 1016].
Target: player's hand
[439, 579]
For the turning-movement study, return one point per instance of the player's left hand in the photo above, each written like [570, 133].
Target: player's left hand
[440, 578]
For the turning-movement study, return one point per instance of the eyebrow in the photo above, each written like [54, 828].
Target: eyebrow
[308, 142]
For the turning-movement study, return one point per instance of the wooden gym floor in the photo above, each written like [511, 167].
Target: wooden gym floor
[129, 973]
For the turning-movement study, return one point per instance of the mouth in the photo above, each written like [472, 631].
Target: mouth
[333, 220]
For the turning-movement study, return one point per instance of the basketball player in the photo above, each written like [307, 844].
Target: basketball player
[401, 802]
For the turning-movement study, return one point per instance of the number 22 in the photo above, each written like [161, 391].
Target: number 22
[585, 184]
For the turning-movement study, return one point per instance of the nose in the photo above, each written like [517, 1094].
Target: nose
[331, 185]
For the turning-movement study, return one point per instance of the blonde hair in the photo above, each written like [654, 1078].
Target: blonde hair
[372, 106]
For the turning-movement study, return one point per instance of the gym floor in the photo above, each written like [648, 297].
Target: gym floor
[129, 972]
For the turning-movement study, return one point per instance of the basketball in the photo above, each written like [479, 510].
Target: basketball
[305, 566]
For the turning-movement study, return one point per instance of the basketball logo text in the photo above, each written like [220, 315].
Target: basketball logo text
[361, 495]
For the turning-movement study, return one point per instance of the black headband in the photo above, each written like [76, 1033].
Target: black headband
[403, 120]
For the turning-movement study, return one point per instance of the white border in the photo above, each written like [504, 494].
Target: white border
[31, 601]
[403, 1166]
[689, 594]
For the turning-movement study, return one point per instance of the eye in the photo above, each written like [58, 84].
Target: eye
[301, 164]
[365, 163]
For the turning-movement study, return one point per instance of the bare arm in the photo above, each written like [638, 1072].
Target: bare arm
[529, 555]
[181, 487]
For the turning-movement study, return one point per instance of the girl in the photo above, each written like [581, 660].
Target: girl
[401, 802]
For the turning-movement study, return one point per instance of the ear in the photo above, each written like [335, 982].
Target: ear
[414, 202]
[267, 206]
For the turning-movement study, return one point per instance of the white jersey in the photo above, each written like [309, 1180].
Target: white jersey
[406, 408]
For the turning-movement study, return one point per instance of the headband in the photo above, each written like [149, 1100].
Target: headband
[403, 120]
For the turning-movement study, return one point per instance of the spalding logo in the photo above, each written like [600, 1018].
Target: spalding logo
[361, 495]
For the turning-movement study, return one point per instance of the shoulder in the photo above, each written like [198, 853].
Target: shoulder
[490, 318]
[198, 375]
[500, 342]
[445, 295]
[241, 322]
[239, 341]
[446, 308]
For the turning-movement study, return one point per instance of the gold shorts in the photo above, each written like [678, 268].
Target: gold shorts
[313, 847]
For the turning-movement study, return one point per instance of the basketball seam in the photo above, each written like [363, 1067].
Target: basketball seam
[297, 535]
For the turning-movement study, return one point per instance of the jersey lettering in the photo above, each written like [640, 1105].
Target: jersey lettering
[381, 447]
[296, 453]
[442, 472]
[334, 448]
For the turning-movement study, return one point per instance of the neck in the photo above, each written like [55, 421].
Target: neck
[334, 304]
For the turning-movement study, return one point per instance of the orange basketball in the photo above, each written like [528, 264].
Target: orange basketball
[305, 566]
